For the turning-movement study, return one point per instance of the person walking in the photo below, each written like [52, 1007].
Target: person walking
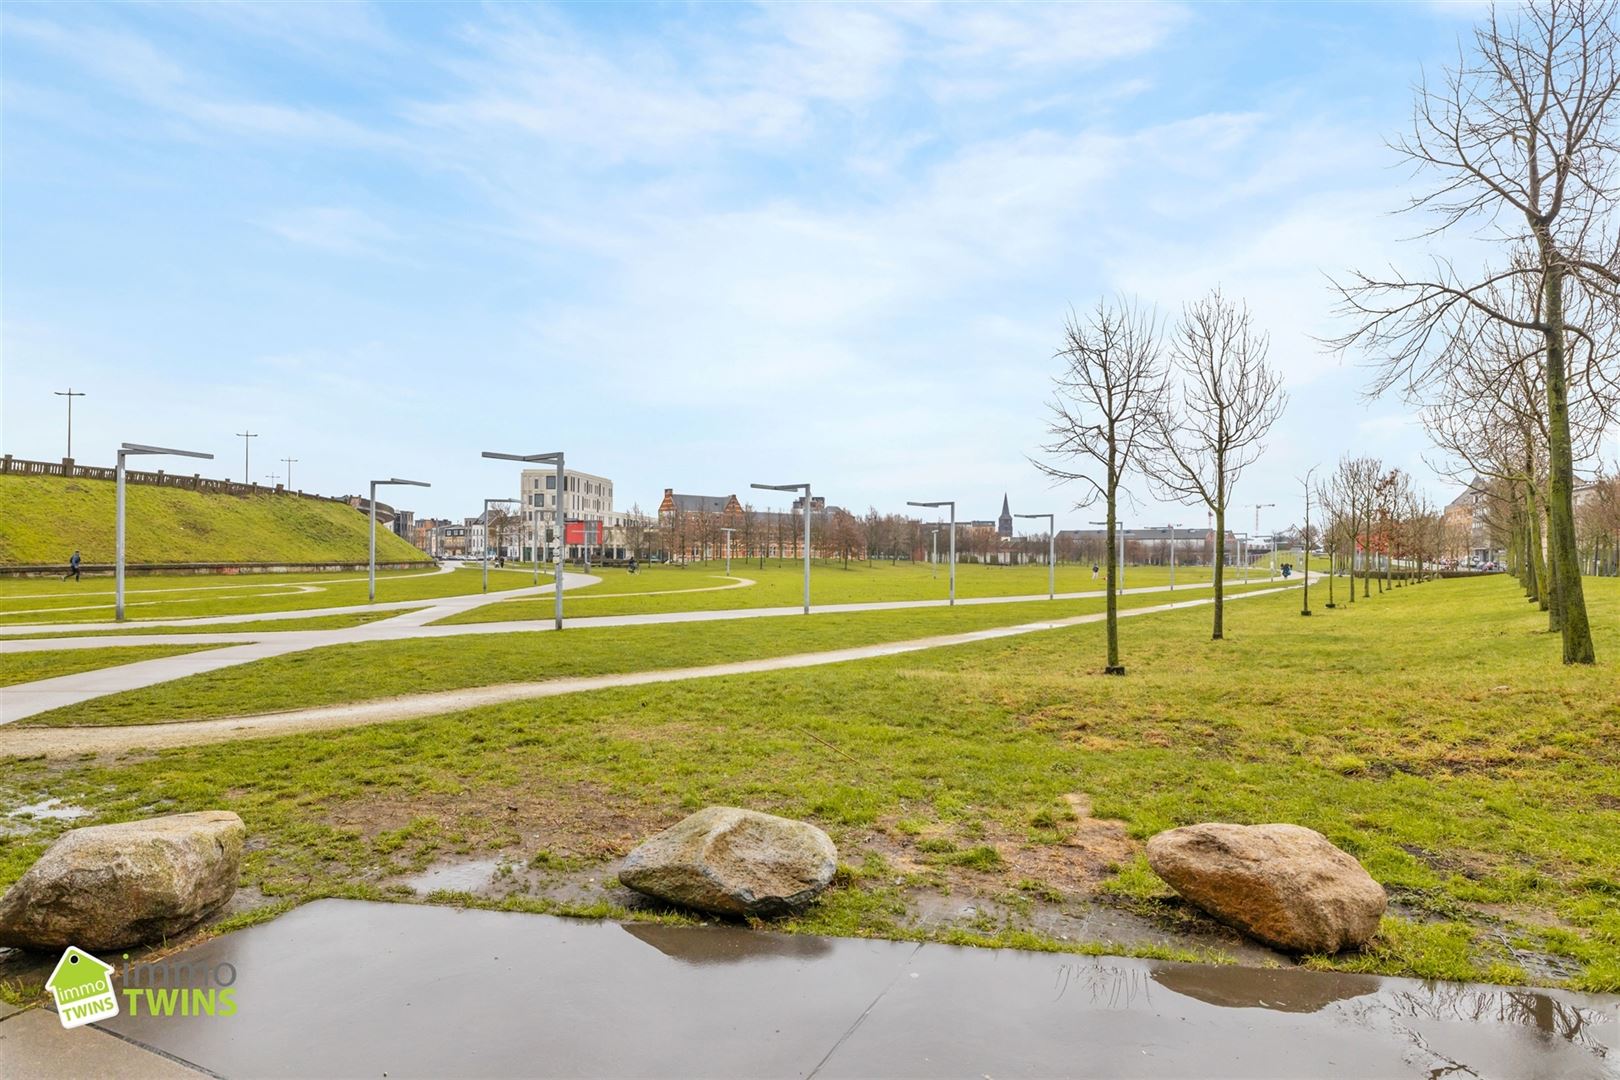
[1094, 569]
[73, 567]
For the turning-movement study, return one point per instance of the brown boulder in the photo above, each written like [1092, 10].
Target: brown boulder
[113, 886]
[1285, 885]
[734, 862]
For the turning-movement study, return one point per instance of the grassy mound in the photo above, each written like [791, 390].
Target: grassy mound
[43, 518]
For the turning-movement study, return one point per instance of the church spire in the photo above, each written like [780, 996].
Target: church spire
[1004, 524]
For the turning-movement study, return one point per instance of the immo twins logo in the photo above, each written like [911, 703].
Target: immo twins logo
[82, 986]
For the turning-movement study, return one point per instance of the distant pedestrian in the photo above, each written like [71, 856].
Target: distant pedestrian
[632, 564]
[73, 567]
[1094, 569]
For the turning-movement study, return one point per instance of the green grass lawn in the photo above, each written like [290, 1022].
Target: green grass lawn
[43, 518]
[30, 601]
[699, 587]
[31, 666]
[314, 622]
[1431, 732]
[371, 670]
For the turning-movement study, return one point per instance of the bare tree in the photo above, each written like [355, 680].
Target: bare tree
[1521, 139]
[1214, 424]
[1104, 407]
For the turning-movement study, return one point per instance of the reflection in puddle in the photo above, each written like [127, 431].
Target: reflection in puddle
[1260, 988]
[1103, 985]
[726, 945]
[1550, 1017]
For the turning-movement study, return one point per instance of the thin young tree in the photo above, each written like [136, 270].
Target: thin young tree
[1521, 139]
[1213, 424]
[1105, 405]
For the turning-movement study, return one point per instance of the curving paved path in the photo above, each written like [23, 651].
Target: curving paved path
[70, 741]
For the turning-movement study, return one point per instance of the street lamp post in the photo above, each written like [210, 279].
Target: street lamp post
[806, 489]
[1119, 527]
[728, 533]
[934, 561]
[290, 462]
[70, 394]
[1173, 529]
[1051, 552]
[245, 436]
[1305, 544]
[554, 458]
[1257, 508]
[371, 576]
[936, 505]
[118, 563]
[487, 504]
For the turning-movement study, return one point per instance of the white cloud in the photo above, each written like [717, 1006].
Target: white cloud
[338, 230]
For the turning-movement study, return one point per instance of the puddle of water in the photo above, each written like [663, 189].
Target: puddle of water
[472, 876]
[50, 810]
[840, 1007]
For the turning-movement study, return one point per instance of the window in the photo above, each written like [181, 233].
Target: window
[551, 483]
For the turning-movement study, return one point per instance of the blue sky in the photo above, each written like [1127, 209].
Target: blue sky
[695, 246]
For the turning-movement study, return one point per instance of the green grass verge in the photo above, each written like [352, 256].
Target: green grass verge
[33, 601]
[27, 667]
[699, 587]
[316, 622]
[43, 518]
[369, 670]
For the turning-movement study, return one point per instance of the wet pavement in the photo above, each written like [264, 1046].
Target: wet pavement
[363, 989]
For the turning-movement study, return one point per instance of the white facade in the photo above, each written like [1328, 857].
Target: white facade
[586, 497]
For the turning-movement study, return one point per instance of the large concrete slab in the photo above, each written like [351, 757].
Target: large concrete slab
[35, 1044]
[350, 988]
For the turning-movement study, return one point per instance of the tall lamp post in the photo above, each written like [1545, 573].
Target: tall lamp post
[1257, 508]
[935, 506]
[487, 504]
[1051, 552]
[935, 560]
[554, 458]
[118, 563]
[371, 576]
[70, 394]
[245, 436]
[806, 489]
[1119, 527]
[1305, 543]
[290, 462]
[1173, 529]
[728, 533]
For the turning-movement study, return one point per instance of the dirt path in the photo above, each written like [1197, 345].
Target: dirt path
[72, 741]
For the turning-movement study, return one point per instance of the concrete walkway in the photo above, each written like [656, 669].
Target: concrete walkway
[70, 741]
[436, 991]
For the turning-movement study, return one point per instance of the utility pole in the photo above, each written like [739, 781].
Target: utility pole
[289, 462]
[70, 394]
[245, 436]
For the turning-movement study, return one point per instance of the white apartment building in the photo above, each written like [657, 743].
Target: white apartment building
[585, 497]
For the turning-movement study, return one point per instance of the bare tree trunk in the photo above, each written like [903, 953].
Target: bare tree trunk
[1568, 595]
[1220, 573]
[1114, 666]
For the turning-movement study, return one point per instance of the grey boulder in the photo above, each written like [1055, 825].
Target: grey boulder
[736, 862]
[113, 886]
